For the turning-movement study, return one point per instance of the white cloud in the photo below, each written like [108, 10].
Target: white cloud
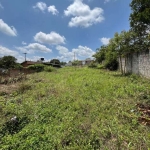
[41, 6]
[82, 14]
[105, 41]
[35, 58]
[5, 51]
[66, 56]
[20, 58]
[24, 43]
[11, 31]
[53, 38]
[53, 10]
[1, 6]
[62, 49]
[83, 51]
[106, 1]
[31, 48]
[80, 53]
[24, 50]
[37, 46]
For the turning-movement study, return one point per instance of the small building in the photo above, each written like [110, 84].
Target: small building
[28, 63]
[69, 63]
[85, 62]
[55, 63]
[88, 62]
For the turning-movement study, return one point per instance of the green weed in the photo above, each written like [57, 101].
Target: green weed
[80, 108]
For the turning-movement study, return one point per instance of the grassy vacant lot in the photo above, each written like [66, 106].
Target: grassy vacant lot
[82, 109]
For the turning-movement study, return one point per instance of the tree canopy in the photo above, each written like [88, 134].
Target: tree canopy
[7, 62]
[140, 22]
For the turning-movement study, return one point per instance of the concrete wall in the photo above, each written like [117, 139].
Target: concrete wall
[137, 63]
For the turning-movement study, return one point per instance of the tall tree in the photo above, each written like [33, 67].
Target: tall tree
[140, 22]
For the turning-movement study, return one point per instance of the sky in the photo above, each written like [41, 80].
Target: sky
[60, 29]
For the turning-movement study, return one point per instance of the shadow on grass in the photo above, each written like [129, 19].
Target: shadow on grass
[13, 126]
[122, 75]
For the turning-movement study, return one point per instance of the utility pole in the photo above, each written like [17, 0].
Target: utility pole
[25, 55]
[74, 56]
[74, 60]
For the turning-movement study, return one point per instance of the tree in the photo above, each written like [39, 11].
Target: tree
[100, 54]
[140, 22]
[111, 61]
[63, 63]
[119, 46]
[108, 55]
[7, 62]
[75, 63]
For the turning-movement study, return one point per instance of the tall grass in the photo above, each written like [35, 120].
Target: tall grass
[78, 108]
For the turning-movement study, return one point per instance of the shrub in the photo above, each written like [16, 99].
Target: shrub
[18, 66]
[111, 64]
[92, 65]
[49, 69]
[37, 67]
[100, 66]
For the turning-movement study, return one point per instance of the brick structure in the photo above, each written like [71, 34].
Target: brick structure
[28, 63]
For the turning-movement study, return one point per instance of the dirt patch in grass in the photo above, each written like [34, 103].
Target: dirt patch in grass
[145, 114]
[8, 89]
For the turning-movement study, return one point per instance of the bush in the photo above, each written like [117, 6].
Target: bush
[49, 69]
[111, 65]
[37, 67]
[92, 65]
[100, 66]
[18, 66]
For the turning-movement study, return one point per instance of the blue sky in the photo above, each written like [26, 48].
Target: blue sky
[59, 28]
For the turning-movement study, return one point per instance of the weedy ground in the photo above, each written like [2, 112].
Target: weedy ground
[75, 109]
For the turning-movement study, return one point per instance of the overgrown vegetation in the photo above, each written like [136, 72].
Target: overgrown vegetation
[78, 108]
[7, 62]
[92, 65]
[10, 80]
[41, 67]
[49, 69]
[37, 67]
[123, 44]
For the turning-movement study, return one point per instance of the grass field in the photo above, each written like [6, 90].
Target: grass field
[75, 109]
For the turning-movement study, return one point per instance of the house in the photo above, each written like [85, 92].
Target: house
[69, 63]
[87, 61]
[28, 63]
[80, 63]
[55, 63]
